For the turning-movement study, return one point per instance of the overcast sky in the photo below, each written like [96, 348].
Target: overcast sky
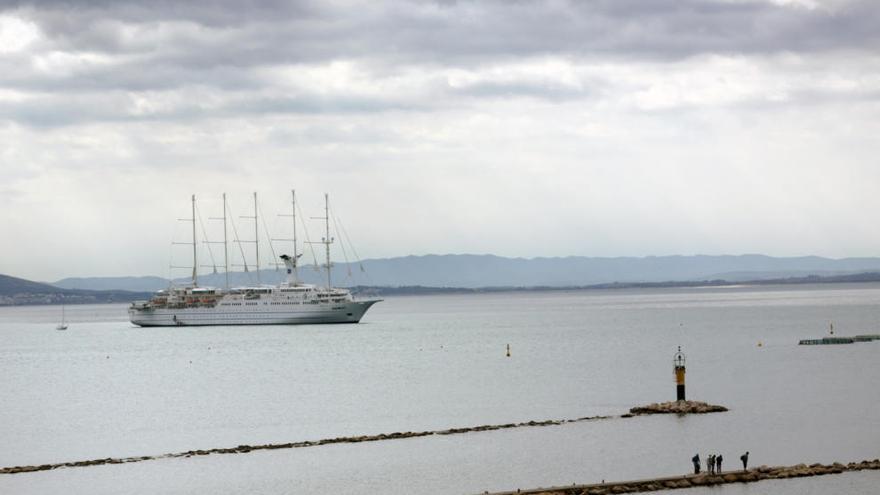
[526, 128]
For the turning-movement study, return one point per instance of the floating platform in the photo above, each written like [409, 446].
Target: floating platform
[841, 340]
[827, 341]
[677, 407]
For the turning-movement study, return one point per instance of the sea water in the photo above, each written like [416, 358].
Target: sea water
[105, 388]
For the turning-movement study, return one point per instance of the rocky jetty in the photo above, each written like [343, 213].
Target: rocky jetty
[243, 449]
[677, 407]
[827, 341]
[840, 340]
[684, 407]
[687, 481]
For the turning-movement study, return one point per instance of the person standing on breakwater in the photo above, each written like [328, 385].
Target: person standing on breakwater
[718, 464]
[696, 460]
[745, 459]
[710, 464]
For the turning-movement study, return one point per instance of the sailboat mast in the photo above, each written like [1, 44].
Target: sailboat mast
[257, 236]
[327, 240]
[225, 244]
[293, 219]
[195, 279]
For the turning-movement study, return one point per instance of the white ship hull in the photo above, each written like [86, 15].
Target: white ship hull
[264, 314]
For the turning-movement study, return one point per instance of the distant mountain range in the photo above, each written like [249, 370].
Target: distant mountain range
[469, 273]
[487, 271]
[17, 291]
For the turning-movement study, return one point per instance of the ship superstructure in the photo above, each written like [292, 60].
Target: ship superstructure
[289, 303]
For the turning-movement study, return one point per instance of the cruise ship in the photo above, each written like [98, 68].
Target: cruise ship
[289, 303]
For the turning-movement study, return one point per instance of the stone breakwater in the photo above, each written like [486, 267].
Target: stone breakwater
[691, 480]
[243, 449]
[683, 407]
[677, 407]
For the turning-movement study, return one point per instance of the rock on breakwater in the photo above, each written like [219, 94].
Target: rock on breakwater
[677, 407]
[687, 481]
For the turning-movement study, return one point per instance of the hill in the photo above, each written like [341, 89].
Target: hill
[141, 284]
[475, 271]
[18, 291]
[12, 285]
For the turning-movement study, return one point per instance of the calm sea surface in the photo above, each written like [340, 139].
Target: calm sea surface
[105, 388]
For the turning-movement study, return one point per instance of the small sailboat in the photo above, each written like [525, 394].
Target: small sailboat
[63, 324]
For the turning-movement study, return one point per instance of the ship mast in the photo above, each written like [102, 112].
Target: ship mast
[291, 263]
[195, 265]
[225, 245]
[195, 278]
[257, 236]
[327, 240]
[293, 219]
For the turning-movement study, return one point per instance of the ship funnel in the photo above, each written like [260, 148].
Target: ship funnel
[290, 263]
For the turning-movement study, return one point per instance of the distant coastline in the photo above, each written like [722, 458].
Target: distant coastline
[479, 271]
[20, 292]
[71, 297]
[810, 279]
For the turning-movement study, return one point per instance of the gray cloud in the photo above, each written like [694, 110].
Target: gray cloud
[240, 33]
[556, 93]
[56, 111]
[210, 59]
[161, 45]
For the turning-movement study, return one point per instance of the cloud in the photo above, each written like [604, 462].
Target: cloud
[347, 88]
[97, 60]
[290, 32]
[613, 126]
